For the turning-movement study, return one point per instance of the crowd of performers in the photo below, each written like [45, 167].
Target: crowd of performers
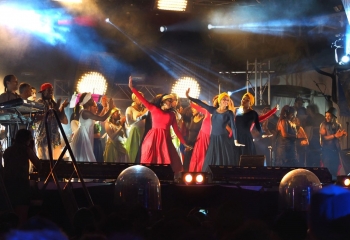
[157, 132]
[190, 139]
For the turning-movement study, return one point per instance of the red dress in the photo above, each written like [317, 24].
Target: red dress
[157, 147]
[202, 142]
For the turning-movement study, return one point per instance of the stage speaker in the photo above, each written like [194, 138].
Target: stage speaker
[262, 176]
[97, 170]
[252, 161]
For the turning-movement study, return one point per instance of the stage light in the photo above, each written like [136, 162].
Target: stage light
[93, 82]
[163, 29]
[343, 181]
[69, 1]
[180, 87]
[210, 26]
[195, 178]
[188, 178]
[199, 178]
[345, 59]
[172, 5]
[107, 20]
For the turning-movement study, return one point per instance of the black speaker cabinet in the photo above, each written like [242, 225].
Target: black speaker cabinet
[252, 161]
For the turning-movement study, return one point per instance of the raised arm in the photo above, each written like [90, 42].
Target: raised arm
[210, 109]
[139, 96]
[198, 108]
[90, 115]
[267, 115]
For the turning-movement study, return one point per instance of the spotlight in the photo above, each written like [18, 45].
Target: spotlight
[195, 178]
[343, 181]
[107, 20]
[163, 29]
[345, 59]
[93, 82]
[210, 26]
[181, 85]
[172, 5]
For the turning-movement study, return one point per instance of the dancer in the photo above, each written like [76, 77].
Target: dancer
[115, 147]
[202, 141]
[286, 154]
[193, 131]
[83, 140]
[135, 126]
[330, 133]
[245, 117]
[220, 149]
[157, 146]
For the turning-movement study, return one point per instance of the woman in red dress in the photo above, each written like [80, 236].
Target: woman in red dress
[157, 147]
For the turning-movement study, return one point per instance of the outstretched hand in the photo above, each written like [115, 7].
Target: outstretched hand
[187, 93]
[111, 104]
[238, 144]
[130, 83]
[65, 103]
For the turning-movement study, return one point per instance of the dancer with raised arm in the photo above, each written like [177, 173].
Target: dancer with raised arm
[83, 140]
[157, 146]
[220, 150]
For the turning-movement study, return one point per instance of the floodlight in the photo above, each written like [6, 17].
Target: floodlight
[188, 178]
[107, 20]
[93, 82]
[195, 178]
[210, 26]
[163, 29]
[172, 5]
[180, 87]
[345, 59]
[343, 181]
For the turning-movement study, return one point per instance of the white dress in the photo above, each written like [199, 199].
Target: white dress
[83, 141]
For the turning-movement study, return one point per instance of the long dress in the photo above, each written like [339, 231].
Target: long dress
[115, 150]
[286, 154]
[220, 149]
[202, 142]
[244, 122]
[83, 140]
[157, 147]
[136, 129]
[193, 131]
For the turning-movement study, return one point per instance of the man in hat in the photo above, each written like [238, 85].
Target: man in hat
[47, 99]
[330, 133]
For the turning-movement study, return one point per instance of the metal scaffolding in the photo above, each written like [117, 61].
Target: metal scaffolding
[259, 70]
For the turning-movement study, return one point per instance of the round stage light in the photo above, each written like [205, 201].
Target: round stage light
[210, 26]
[347, 182]
[93, 82]
[107, 20]
[163, 29]
[188, 178]
[180, 87]
[199, 178]
[345, 59]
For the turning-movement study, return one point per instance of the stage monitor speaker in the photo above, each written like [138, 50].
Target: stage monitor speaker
[252, 161]
[266, 176]
[97, 170]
